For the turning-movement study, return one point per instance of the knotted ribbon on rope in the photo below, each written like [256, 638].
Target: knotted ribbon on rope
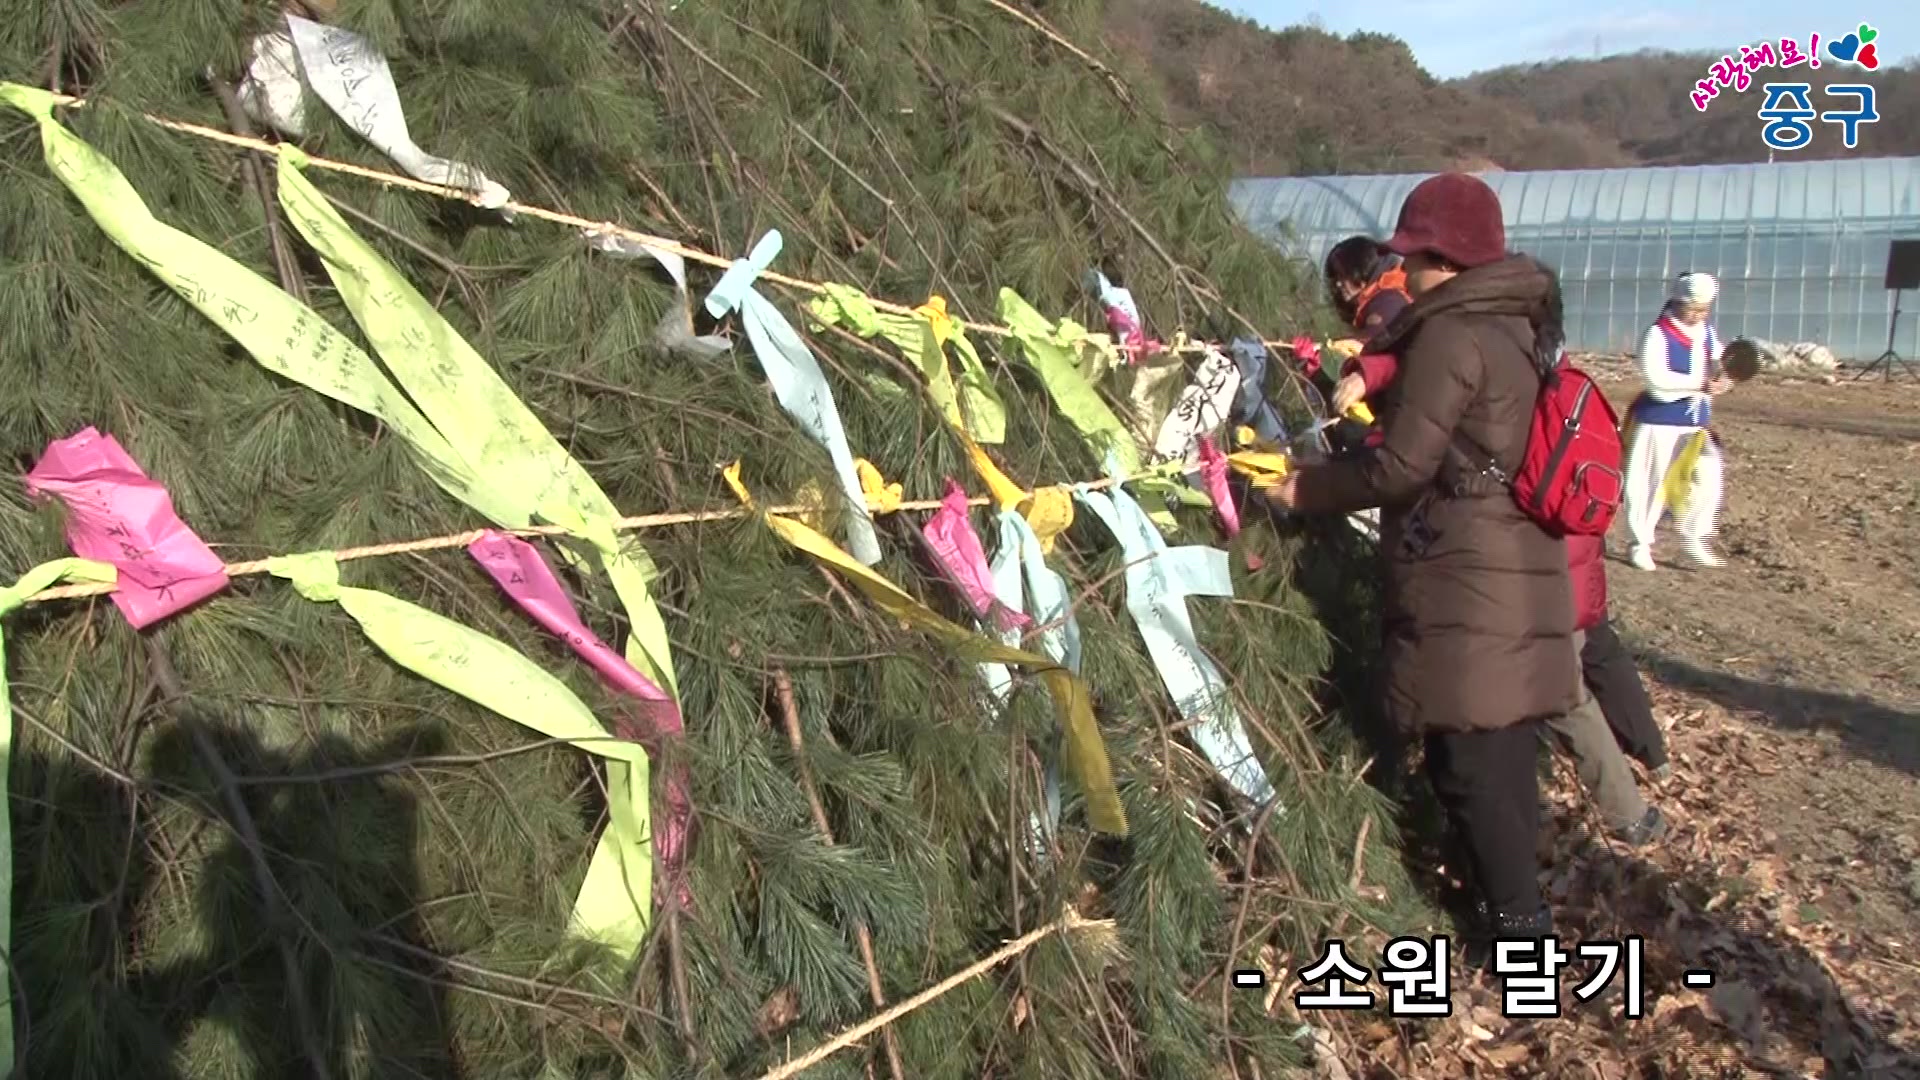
[796, 379]
[1159, 580]
[971, 405]
[493, 674]
[1086, 753]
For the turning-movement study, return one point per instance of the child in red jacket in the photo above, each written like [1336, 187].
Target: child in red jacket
[1614, 713]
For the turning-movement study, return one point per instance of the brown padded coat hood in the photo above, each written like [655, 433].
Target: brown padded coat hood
[1478, 612]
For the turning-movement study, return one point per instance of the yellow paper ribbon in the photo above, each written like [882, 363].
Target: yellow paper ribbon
[1006, 494]
[40, 577]
[1676, 487]
[616, 898]
[935, 312]
[1085, 751]
[1050, 514]
[1262, 468]
[882, 497]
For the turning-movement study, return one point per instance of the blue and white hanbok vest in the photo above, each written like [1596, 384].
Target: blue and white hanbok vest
[1683, 357]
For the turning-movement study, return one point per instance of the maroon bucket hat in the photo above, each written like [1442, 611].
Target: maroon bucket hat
[1455, 216]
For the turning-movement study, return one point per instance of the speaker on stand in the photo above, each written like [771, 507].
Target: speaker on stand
[1903, 273]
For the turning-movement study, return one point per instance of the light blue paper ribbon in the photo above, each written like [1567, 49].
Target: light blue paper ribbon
[1159, 580]
[796, 380]
[1250, 404]
[1005, 571]
[1020, 550]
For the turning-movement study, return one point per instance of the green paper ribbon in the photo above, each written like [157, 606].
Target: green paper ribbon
[495, 431]
[284, 335]
[44, 576]
[616, 898]
[972, 406]
[467, 400]
[1051, 352]
[477, 440]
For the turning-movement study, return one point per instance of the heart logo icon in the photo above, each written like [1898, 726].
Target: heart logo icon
[1867, 34]
[1867, 59]
[1846, 48]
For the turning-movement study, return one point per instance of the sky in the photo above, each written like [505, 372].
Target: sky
[1452, 38]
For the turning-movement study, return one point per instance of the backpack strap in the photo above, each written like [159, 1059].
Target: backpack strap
[1478, 463]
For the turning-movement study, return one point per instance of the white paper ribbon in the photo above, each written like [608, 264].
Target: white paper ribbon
[1203, 406]
[272, 92]
[1159, 580]
[675, 331]
[796, 380]
[344, 70]
[1018, 551]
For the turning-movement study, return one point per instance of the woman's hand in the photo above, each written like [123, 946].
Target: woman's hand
[1349, 389]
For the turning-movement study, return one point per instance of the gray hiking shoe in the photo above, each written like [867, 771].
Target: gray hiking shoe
[1648, 829]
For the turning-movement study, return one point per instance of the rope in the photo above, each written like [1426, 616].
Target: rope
[462, 539]
[559, 218]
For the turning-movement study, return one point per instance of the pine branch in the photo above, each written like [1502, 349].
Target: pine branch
[284, 262]
[1106, 73]
[279, 919]
[1069, 920]
[790, 720]
[1233, 939]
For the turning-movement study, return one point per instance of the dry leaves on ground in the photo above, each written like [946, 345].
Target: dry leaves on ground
[1795, 994]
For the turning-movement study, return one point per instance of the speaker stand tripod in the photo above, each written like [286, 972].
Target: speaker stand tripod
[1885, 361]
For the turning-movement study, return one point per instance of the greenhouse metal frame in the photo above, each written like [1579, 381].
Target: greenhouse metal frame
[1800, 247]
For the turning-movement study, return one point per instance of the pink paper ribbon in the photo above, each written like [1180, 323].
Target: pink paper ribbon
[518, 568]
[1307, 352]
[956, 547]
[1213, 471]
[1133, 340]
[117, 515]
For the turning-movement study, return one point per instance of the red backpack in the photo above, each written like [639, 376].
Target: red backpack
[1569, 479]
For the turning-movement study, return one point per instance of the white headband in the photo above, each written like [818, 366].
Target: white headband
[1694, 288]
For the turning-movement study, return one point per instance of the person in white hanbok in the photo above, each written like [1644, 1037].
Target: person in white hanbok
[1679, 358]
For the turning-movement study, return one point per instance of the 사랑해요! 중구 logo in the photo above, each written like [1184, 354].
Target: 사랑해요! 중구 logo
[1786, 107]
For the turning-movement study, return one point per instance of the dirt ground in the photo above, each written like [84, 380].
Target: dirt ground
[1787, 684]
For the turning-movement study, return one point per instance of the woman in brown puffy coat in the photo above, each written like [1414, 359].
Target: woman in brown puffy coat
[1478, 610]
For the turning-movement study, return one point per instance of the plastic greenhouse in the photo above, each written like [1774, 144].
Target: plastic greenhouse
[1800, 247]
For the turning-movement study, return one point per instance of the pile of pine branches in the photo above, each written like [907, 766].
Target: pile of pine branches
[247, 844]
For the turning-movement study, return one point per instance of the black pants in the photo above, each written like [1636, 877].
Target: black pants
[1615, 683]
[1489, 784]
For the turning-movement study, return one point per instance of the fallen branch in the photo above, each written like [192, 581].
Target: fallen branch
[1068, 920]
[284, 263]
